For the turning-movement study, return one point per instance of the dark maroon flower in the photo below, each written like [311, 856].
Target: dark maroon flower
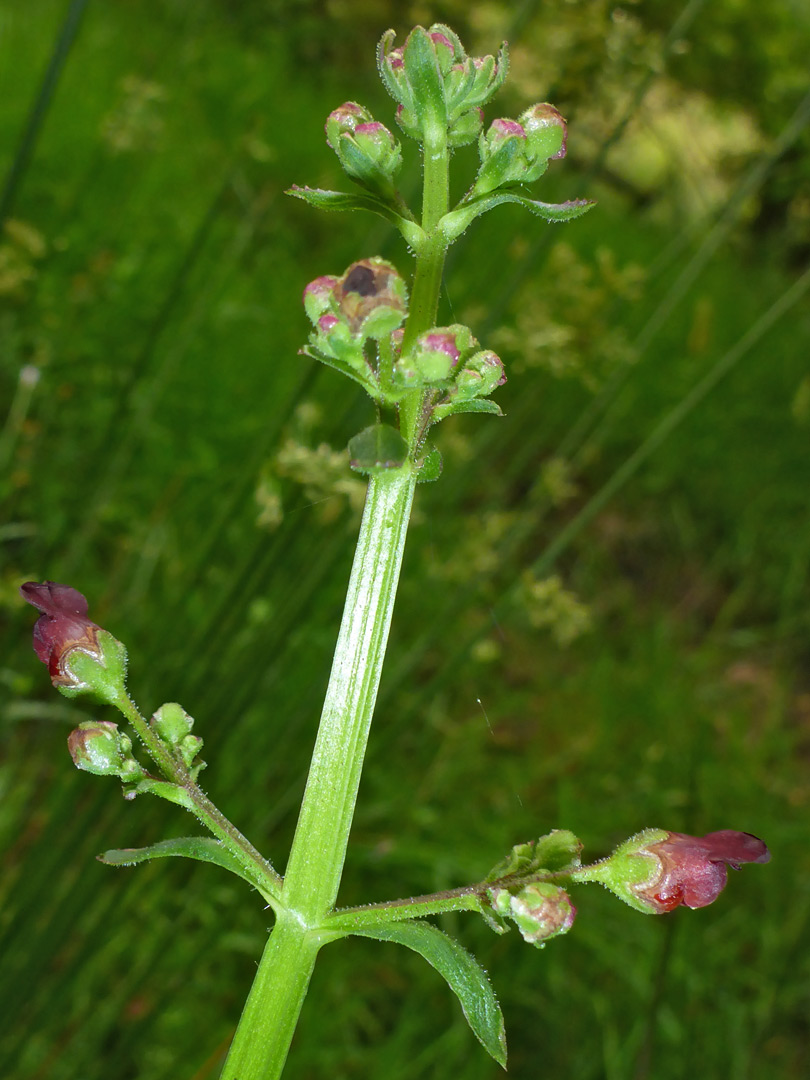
[657, 870]
[81, 657]
[694, 869]
[62, 627]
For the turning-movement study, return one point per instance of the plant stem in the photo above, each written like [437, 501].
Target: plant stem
[311, 883]
[313, 875]
[200, 805]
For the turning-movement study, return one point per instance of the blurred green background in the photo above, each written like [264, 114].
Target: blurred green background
[603, 623]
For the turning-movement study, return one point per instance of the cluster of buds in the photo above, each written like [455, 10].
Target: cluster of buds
[84, 659]
[367, 150]
[657, 870]
[450, 357]
[518, 151]
[368, 302]
[540, 911]
[435, 82]
[173, 725]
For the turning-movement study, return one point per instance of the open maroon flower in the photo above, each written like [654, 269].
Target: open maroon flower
[694, 869]
[62, 627]
[658, 870]
[81, 657]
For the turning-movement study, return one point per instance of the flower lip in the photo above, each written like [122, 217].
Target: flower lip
[62, 626]
[694, 869]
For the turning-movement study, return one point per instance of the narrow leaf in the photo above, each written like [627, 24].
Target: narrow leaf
[202, 848]
[474, 405]
[463, 974]
[344, 200]
[453, 224]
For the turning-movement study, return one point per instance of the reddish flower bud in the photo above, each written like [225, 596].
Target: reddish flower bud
[344, 120]
[372, 297]
[541, 911]
[545, 130]
[656, 871]
[319, 296]
[81, 657]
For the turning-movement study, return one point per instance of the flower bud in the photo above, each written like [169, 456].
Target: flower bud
[540, 911]
[546, 131]
[481, 374]
[435, 81]
[344, 121]
[656, 871]
[367, 150]
[546, 135]
[319, 297]
[81, 657]
[97, 746]
[371, 298]
[172, 723]
[503, 156]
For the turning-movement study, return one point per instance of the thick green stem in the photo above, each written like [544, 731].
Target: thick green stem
[319, 848]
[265, 1031]
[313, 875]
[316, 861]
[427, 279]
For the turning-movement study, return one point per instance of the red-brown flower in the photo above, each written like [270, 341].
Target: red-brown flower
[694, 869]
[62, 627]
[81, 656]
[658, 870]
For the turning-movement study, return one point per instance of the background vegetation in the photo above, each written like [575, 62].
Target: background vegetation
[603, 623]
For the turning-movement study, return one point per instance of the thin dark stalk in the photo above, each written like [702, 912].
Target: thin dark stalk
[39, 108]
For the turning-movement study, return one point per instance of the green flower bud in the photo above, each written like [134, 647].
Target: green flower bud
[172, 723]
[97, 746]
[540, 910]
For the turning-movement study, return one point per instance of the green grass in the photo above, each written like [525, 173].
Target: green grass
[164, 315]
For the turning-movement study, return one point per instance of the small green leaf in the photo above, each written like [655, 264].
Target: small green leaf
[463, 974]
[368, 384]
[431, 467]
[343, 200]
[377, 447]
[473, 405]
[202, 848]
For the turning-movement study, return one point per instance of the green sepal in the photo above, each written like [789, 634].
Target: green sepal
[368, 383]
[431, 467]
[202, 848]
[463, 974]
[398, 216]
[452, 225]
[558, 851]
[399, 91]
[506, 164]
[376, 448]
[359, 167]
[100, 676]
[472, 405]
[424, 77]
